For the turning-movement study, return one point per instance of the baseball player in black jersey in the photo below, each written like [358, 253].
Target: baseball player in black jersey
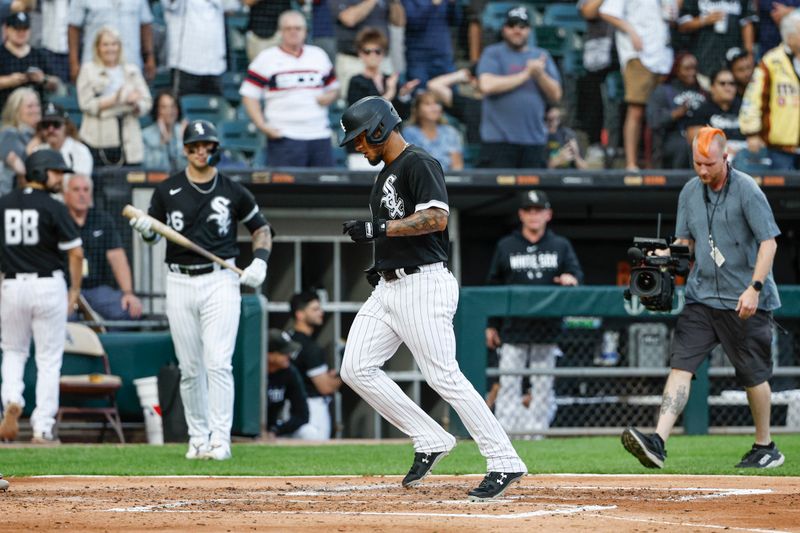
[532, 255]
[36, 231]
[414, 302]
[284, 383]
[203, 300]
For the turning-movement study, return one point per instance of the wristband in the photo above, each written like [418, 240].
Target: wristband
[261, 253]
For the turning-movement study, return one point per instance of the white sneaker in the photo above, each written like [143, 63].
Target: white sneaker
[219, 452]
[197, 451]
[45, 438]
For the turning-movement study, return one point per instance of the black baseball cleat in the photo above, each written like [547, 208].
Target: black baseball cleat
[649, 449]
[423, 464]
[494, 485]
[762, 457]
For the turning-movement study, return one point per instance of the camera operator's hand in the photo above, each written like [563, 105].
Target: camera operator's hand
[665, 252]
[748, 303]
[566, 280]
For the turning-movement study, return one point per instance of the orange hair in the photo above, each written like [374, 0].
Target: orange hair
[705, 137]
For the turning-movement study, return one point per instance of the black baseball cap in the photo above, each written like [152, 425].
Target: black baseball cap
[518, 15]
[280, 341]
[735, 54]
[20, 20]
[53, 113]
[533, 199]
[45, 159]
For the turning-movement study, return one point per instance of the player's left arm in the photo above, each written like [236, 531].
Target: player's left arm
[430, 220]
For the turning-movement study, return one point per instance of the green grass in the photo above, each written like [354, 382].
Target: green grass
[596, 455]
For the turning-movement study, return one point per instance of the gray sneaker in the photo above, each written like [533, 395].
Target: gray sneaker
[3, 484]
[762, 458]
[649, 449]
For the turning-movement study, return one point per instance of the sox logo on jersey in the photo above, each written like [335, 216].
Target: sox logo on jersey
[394, 204]
[221, 214]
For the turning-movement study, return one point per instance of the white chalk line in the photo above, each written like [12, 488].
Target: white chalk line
[564, 510]
[686, 524]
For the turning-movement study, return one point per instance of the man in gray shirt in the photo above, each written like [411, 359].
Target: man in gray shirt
[726, 221]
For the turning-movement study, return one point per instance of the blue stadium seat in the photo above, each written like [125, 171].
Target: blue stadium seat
[564, 16]
[231, 82]
[69, 102]
[206, 107]
[161, 82]
[240, 136]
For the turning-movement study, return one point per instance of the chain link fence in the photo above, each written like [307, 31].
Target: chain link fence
[598, 375]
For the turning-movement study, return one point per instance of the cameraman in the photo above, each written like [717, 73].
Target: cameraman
[726, 221]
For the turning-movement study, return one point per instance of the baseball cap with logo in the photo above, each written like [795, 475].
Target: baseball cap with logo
[534, 199]
[20, 21]
[280, 341]
[518, 15]
[53, 113]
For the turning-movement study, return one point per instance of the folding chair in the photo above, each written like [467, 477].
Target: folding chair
[83, 342]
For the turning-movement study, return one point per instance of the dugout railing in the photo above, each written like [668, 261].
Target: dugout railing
[593, 398]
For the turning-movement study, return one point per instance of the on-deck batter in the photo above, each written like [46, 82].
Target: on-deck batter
[414, 302]
[203, 299]
[36, 230]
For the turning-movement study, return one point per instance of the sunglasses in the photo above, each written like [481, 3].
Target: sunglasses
[369, 51]
[517, 25]
[50, 124]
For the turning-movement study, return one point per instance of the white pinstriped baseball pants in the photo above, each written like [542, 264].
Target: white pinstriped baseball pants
[34, 307]
[203, 313]
[418, 310]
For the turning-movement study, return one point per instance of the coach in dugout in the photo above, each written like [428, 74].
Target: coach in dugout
[725, 219]
[107, 283]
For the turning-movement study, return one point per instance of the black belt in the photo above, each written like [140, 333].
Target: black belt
[13, 275]
[193, 270]
[391, 275]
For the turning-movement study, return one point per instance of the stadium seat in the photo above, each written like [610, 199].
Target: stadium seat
[551, 38]
[237, 60]
[231, 82]
[564, 16]
[161, 82]
[69, 102]
[206, 107]
[240, 136]
[100, 385]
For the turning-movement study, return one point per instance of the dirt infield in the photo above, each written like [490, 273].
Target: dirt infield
[538, 503]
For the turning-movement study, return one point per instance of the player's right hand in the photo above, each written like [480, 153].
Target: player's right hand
[143, 225]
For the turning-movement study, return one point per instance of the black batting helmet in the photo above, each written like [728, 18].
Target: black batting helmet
[374, 115]
[40, 161]
[200, 130]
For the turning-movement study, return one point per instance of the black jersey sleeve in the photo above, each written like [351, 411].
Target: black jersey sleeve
[571, 263]
[426, 181]
[298, 409]
[157, 209]
[247, 209]
[312, 360]
[68, 235]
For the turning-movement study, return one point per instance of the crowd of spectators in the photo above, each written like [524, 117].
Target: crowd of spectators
[628, 79]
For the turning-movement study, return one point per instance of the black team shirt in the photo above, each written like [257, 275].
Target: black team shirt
[310, 361]
[412, 182]
[517, 261]
[285, 385]
[99, 235]
[36, 231]
[204, 213]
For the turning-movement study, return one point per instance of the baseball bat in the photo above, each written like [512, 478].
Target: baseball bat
[173, 236]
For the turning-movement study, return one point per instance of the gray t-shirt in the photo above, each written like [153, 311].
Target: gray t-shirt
[516, 116]
[741, 220]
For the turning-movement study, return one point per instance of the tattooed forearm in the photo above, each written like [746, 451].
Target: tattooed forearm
[674, 405]
[422, 222]
[262, 238]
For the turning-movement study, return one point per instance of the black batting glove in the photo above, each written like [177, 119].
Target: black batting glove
[364, 230]
[373, 278]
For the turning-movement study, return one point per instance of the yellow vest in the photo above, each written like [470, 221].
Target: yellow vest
[771, 105]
